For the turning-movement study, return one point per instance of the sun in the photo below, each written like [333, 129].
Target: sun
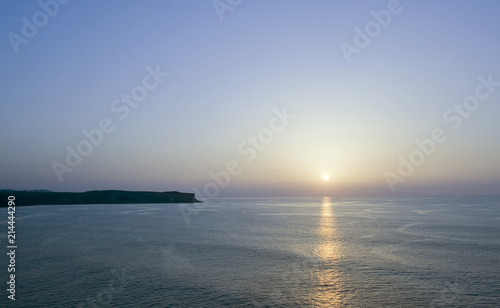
[326, 177]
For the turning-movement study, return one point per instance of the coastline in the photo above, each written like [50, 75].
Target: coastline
[45, 197]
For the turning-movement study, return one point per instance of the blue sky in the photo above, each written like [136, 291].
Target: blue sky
[226, 80]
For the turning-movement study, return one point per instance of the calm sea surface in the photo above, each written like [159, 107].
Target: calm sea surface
[281, 252]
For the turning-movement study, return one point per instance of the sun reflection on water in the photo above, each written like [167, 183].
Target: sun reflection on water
[329, 291]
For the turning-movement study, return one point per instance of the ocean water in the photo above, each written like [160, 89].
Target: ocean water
[260, 252]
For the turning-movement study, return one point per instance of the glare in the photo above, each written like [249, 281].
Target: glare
[326, 177]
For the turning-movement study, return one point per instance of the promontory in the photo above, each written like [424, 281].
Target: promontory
[46, 197]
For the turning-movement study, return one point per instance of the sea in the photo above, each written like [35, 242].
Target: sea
[258, 252]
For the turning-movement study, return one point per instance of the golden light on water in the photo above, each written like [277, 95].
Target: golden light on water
[328, 250]
[329, 290]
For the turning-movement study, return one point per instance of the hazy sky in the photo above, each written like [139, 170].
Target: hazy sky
[266, 95]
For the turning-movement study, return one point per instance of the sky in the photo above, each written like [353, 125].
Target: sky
[239, 98]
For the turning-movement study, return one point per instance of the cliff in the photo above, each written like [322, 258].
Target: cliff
[44, 197]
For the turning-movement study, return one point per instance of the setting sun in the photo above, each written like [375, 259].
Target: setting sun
[326, 177]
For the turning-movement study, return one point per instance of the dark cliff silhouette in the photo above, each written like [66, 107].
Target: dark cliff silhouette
[45, 197]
